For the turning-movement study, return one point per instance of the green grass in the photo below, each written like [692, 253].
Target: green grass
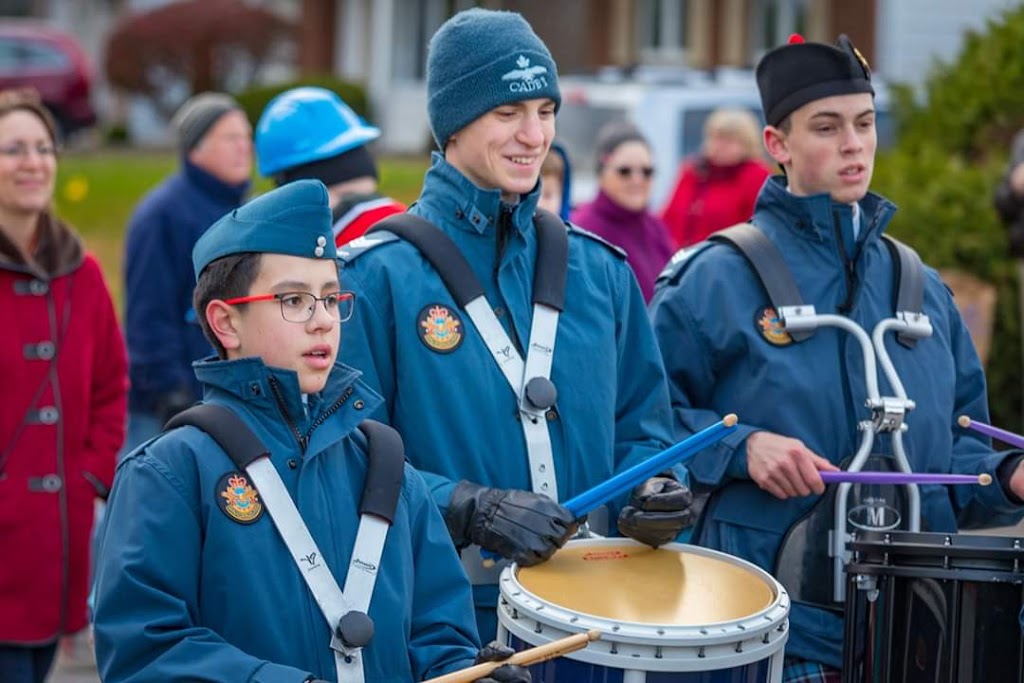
[97, 192]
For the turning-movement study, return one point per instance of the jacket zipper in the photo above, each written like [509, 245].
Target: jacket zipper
[327, 413]
[849, 269]
[504, 230]
[283, 408]
[504, 217]
[303, 440]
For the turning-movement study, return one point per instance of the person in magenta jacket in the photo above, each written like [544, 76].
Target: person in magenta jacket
[717, 188]
[62, 411]
[619, 213]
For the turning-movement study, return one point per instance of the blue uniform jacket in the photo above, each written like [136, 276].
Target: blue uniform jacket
[185, 592]
[161, 331]
[708, 314]
[455, 410]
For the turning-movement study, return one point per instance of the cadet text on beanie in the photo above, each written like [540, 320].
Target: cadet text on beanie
[790, 76]
[294, 219]
[195, 118]
[480, 59]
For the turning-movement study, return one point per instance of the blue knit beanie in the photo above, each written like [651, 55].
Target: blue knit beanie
[481, 59]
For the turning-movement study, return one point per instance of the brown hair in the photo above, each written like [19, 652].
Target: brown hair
[27, 99]
[225, 278]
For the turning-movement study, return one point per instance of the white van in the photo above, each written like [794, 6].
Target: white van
[670, 113]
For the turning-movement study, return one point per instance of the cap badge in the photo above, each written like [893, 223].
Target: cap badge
[860, 58]
[439, 328]
[525, 78]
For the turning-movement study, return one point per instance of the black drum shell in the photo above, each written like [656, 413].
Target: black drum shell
[947, 608]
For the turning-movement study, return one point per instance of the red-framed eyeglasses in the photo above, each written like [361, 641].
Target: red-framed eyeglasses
[299, 307]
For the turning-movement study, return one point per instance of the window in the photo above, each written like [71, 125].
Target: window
[774, 21]
[9, 51]
[661, 31]
[415, 23]
[43, 56]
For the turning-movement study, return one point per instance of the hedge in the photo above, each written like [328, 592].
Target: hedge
[951, 152]
[255, 100]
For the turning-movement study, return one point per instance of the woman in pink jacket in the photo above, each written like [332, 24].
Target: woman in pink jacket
[62, 407]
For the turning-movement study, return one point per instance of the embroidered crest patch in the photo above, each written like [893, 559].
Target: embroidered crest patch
[439, 328]
[767, 321]
[237, 499]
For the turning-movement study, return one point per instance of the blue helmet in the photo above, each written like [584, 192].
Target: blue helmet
[307, 124]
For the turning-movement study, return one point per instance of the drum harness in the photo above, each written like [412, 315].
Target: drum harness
[801, 320]
[345, 612]
[530, 381]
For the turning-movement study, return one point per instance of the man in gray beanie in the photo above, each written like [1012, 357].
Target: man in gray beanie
[163, 336]
[458, 306]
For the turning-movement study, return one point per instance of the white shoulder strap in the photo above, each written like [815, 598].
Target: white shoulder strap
[343, 611]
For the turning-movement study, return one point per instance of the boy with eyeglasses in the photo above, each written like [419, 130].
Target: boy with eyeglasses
[194, 579]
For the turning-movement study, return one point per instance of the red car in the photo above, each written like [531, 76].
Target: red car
[40, 56]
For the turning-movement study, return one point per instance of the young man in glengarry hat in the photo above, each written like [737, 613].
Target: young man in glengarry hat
[800, 400]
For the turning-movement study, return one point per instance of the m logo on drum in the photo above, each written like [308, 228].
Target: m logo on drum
[873, 514]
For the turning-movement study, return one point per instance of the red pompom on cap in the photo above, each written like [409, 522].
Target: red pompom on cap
[795, 39]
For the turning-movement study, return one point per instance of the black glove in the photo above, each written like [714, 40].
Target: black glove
[526, 527]
[658, 510]
[510, 673]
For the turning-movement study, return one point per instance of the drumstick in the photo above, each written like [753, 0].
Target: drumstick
[590, 500]
[1015, 440]
[593, 498]
[535, 655]
[843, 477]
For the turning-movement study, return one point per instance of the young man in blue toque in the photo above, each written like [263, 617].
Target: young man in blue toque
[216, 569]
[727, 347]
[502, 421]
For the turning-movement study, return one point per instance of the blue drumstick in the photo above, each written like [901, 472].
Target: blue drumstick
[590, 500]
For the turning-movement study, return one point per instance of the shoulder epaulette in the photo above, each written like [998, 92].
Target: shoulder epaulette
[677, 264]
[575, 229]
[359, 246]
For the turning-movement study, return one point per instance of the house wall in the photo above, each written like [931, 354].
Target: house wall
[914, 33]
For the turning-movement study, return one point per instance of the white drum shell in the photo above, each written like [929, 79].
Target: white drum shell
[651, 647]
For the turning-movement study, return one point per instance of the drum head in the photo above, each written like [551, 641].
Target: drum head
[647, 585]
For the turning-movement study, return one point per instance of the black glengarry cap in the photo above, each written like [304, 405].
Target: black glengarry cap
[793, 75]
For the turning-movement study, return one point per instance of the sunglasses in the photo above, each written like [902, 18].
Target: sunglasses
[627, 171]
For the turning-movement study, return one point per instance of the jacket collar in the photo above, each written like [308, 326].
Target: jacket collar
[58, 250]
[813, 217]
[447, 192]
[213, 186]
[266, 391]
[613, 211]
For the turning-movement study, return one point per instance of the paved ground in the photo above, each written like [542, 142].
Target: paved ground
[75, 663]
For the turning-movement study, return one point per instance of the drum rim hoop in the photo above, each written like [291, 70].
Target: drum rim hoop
[640, 633]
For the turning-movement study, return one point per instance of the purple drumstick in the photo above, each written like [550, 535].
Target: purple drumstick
[843, 477]
[1015, 440]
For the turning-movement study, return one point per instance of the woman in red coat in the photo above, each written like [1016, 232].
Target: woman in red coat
[717, 188]
[62, 405]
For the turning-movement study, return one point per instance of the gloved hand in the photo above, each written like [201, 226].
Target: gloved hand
[524, 526]
[658, 510]
[510, 673]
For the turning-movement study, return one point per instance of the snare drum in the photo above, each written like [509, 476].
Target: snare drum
[934, 607]
[676, 614]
